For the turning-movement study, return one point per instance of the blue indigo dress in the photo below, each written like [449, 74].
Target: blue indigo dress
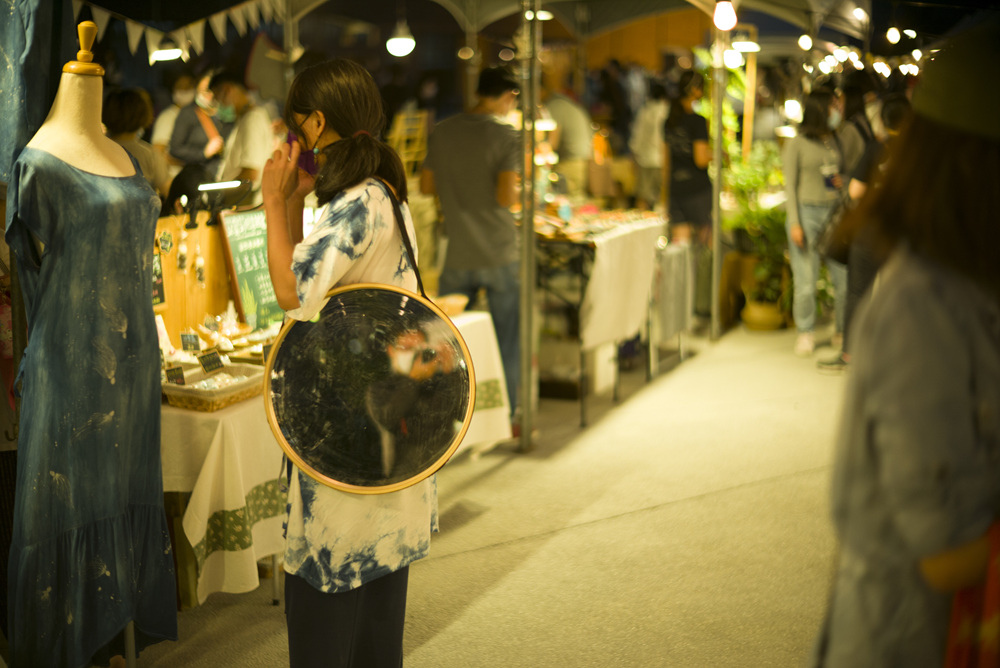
[91, 550]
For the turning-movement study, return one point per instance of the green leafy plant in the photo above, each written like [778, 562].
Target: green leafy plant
[762, 226]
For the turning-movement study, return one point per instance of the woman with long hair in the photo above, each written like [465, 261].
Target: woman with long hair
[347, 556]
[813, 166]
[916, 476]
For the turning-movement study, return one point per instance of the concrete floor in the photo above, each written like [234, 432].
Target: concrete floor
[687, 526]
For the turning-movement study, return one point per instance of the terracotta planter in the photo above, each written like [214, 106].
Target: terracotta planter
[762, 316]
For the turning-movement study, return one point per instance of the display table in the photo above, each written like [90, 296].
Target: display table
[491, 415]
[230, 463]
[604, 279]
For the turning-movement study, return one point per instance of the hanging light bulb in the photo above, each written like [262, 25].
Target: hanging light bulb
[725, 15]
[910, 33]
[805, 42]
[917, 55]
[840, 53]
[401, 43]
[892, 34]
[860, 14]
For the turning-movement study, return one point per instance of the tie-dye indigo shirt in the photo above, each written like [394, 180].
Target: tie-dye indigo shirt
[338, 541]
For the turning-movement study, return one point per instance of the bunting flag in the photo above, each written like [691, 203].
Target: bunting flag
[253, 15]
[196, 33]
[101, 18]
[134, 31]
[265, 10]
[153, 39]
[239, 19]
[218, 23]
[192, 36]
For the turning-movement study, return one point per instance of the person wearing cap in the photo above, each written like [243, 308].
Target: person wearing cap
[916, 473]
[474, 162]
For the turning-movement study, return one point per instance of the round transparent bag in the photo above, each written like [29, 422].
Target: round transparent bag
[374, 394]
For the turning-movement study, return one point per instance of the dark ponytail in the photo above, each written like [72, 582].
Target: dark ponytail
[351, 103]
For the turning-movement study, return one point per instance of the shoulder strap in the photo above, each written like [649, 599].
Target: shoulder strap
[398, 211]
[206, 123]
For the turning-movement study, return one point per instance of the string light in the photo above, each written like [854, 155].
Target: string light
[725, 15]
[892, 34]
[805, 42]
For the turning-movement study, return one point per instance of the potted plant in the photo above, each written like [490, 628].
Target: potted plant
[758, 222]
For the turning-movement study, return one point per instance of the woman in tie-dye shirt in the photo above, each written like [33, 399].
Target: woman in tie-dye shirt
[347, 555]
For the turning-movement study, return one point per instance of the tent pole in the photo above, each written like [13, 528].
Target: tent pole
[718, 97]
[529, 112]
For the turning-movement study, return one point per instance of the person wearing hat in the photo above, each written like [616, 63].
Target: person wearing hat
[474, 163]
[916, 474]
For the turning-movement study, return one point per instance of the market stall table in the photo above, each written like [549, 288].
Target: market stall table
[612, 267]
[230, 463]
[491, 415]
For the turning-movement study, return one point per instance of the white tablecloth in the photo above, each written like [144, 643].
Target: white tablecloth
[230, 462]
[616, 302]
[491, 417]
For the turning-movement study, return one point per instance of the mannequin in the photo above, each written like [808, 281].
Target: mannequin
[72, 131]
[91, 567]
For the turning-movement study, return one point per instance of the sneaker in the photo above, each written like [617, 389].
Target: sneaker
[835, 365]
[805, 344]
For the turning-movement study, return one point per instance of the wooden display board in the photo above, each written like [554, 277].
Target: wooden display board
[244, 235]
[189, 300]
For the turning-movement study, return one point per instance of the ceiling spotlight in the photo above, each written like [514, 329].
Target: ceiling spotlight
[167, 50]
[466, 53]
[401, 43]
[725, 15]
[805, 42]
[506, 54]
[892, 34]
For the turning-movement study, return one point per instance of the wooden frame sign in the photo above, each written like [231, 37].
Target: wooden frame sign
[244, 236]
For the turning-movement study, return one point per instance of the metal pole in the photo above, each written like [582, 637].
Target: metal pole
[130, 658]
[529, 113]
[718, 97]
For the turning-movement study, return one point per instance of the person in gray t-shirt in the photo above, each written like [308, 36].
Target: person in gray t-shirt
[473, 163]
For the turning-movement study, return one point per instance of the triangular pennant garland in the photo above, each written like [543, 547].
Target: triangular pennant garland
[134, 31]
[77, 6]
[218, 23]
[239, 20]
[101, 18]
[196, 33]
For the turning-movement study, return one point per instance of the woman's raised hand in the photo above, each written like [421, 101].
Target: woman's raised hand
[280, 180]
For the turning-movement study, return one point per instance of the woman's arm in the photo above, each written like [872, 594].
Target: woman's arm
[790, 168]
[702, 154]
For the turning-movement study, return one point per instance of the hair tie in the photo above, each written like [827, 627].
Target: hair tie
[361, 132]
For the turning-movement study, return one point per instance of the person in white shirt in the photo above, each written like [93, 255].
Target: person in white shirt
[252, 140]
[646, 143]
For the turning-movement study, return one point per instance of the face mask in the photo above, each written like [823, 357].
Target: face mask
[226, 113]
[698, 107]
[205, 101]
[307, 159]
[833, 120]
[183, 98]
